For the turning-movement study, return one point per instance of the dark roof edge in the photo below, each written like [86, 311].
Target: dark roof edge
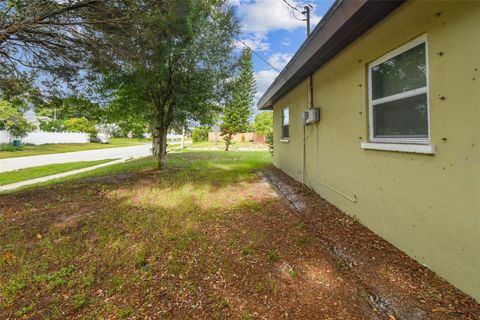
[344, 22]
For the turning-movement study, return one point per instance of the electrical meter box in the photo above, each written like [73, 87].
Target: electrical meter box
[311, 116]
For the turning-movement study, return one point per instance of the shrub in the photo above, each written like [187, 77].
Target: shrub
[9, 147]
[263, 123]
[80, 125]
[12, 120]
[269, 141]
[200, 134]
[52, 126]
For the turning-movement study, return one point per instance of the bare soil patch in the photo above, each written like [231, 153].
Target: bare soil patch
[391, 281]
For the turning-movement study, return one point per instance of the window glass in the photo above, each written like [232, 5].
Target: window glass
[285, 123]
[404, 72]
[402, 118]
[399, 96]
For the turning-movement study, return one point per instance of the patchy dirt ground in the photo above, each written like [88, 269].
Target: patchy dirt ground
[207, 239]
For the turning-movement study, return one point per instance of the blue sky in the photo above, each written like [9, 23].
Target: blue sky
[269, 28]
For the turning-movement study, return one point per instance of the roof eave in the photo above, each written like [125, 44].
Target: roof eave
[344, 22]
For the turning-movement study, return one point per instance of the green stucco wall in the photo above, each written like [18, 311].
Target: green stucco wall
[426, 205]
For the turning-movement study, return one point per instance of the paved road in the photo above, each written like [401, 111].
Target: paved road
[89, 155]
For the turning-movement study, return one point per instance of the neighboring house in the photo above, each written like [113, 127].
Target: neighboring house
[398, 140]
[35, 120]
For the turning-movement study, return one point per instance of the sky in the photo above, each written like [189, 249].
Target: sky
[269, 28]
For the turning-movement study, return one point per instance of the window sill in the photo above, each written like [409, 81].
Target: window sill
[410, 148]
[285, 140]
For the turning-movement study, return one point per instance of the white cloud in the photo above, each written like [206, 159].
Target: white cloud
[264, 16]
[259, 18]
[279, 60]
[255, 41]
[286, 42]
[264, 79]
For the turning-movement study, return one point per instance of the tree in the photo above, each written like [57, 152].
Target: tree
[52, 126]
[55, 38]
[175, 67]
[238, 110]
[80, 125]
[12, 120]
[72, 106]
[200, 134]
[263, 123]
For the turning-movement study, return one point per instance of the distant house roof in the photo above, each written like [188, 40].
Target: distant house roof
[344, 22]
[32, 117]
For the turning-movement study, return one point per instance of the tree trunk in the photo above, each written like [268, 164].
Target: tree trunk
[183, 137]
[162, 163]
[228, 140]
[160, 146]
[155, 141]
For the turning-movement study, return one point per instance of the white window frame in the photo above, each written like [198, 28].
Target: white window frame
[411, 93]
[285, 139]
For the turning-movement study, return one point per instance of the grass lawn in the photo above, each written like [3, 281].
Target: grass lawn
[30, 150]
[221, 145]
[42, 171]
[207, 238]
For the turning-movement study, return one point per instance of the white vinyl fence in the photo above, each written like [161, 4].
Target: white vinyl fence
[42, 137]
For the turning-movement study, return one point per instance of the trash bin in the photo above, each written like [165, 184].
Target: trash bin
[17, 143]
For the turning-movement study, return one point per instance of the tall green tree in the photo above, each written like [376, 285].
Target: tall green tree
[263, 123]
[174, 69]
[237, 112]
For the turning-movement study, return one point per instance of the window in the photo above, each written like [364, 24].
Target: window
[285, 123]
[398, 95]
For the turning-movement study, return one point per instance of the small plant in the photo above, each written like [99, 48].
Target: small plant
[246, 315]
[341, 264]
[116, 284]
[364, 295]
[24, 310]
[56, 279]
[303, 239]
[293, 273]
[247, 251]
[259, 287]
[269, 141]
[125, 313]
[273, 255]
[79, 301]
[10, 290]
[223, 304]
[233, 243]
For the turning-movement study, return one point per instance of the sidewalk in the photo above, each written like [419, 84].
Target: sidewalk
[17, 185]
[11, 164]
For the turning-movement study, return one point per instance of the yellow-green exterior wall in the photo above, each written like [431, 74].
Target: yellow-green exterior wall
[426, 205]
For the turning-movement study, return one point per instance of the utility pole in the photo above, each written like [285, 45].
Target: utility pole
[306, 12]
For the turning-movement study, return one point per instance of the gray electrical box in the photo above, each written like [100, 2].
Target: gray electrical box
[311, 116]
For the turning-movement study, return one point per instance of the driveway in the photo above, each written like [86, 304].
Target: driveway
[89, 155]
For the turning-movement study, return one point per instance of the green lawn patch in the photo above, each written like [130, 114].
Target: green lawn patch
[30, 150]
[42, 171]
[220, 145]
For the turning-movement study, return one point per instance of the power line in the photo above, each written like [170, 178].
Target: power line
[257, 54]
[291, 6]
